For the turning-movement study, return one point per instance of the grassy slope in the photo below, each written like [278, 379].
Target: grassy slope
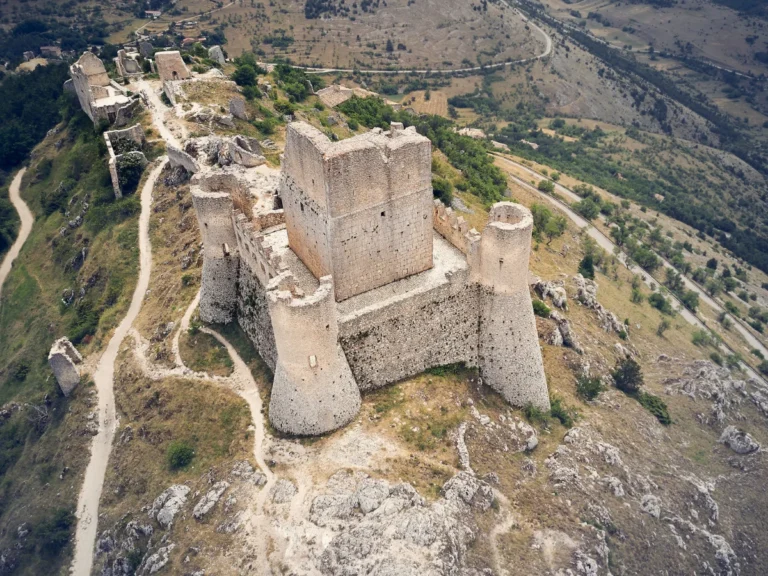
[42, 464]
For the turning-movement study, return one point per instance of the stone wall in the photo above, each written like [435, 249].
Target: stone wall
[307, 223]
[452, 227]
[63, 359]
[389, 343]
[259, 257]
[253, 314]
[170, 66]
[135, 134]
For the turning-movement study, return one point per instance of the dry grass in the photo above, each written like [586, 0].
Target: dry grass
[203, 353]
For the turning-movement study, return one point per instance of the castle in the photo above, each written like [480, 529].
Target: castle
[349, 276]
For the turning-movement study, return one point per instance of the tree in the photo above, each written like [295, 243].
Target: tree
[712, 264]
[587, 267]
[390, 45]
[663, 327]
[714, 287]
[442, 189]
[555, 228]
[587, 208]
[546, 186]
[245, 75]
[628, 376]
[690, 300]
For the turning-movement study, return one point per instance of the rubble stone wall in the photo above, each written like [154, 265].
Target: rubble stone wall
[170, 65]
[389, 343]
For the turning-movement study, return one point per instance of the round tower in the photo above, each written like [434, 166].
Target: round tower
[213, 205]
[509, 354]
[313, 390]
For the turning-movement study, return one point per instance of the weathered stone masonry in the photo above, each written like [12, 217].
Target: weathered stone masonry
[361, 280]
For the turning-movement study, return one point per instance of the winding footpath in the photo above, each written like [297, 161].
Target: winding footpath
[90, 493]
[608, 245]
[27, 219]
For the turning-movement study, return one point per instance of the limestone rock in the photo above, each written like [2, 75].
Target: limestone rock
[63, 359]
[586, 293]
[158, 560]
[208, 501]
[283, 491]
[237, 108]
[651, 505]
[168, 504]
[216, 54]
[739, 441]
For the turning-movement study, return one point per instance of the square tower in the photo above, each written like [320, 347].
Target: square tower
[359, 210]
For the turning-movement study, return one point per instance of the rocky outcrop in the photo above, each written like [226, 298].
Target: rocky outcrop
[63, 359]
[208, 501]
[374, 524]
[224, 151]
[168, 504]
[586, 294]
[554, 290]
[704, 379]
[739, 441]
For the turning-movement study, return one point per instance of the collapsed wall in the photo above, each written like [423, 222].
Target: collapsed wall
[63, 359]
[100, 98]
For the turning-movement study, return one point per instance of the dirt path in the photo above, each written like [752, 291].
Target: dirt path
[158, 111]
[27, 219]
[90, 493]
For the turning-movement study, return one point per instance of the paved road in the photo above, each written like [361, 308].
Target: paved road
[607, 244]
[90, 493]
[27, 219]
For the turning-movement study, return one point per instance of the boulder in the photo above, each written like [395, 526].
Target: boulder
[208, 501]
[739, 441]
[216, 54]
[237, 108]
[168, 504]
[63, 359]
[283, 491]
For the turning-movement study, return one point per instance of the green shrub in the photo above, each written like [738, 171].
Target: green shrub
[763, 367]
[442, 189]
[53, 533]
[546, 186]
[561, 412]
[628, 376]
[179, 454]
[541, 309]
[701, 338]
[588, 388]
[535, 415]
[658, 301]
[587, 267]
[655, 406]
[716, 358]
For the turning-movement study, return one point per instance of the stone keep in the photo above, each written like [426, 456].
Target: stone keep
[63, 360]
[418, 287]
[359, 210]
[170, 66]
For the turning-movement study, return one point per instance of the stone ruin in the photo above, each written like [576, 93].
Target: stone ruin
[127, 64]
[349, 276]
[124, 146]
[170, 66]
[100, 98]
[63, 360]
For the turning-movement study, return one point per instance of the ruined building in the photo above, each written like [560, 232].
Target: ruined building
[350, 276]
[100, 98]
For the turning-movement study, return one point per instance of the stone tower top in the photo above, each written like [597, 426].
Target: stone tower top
[359, 210]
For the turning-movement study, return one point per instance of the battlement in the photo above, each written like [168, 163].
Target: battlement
[453, 228]
[261, 258]
[359, 172]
